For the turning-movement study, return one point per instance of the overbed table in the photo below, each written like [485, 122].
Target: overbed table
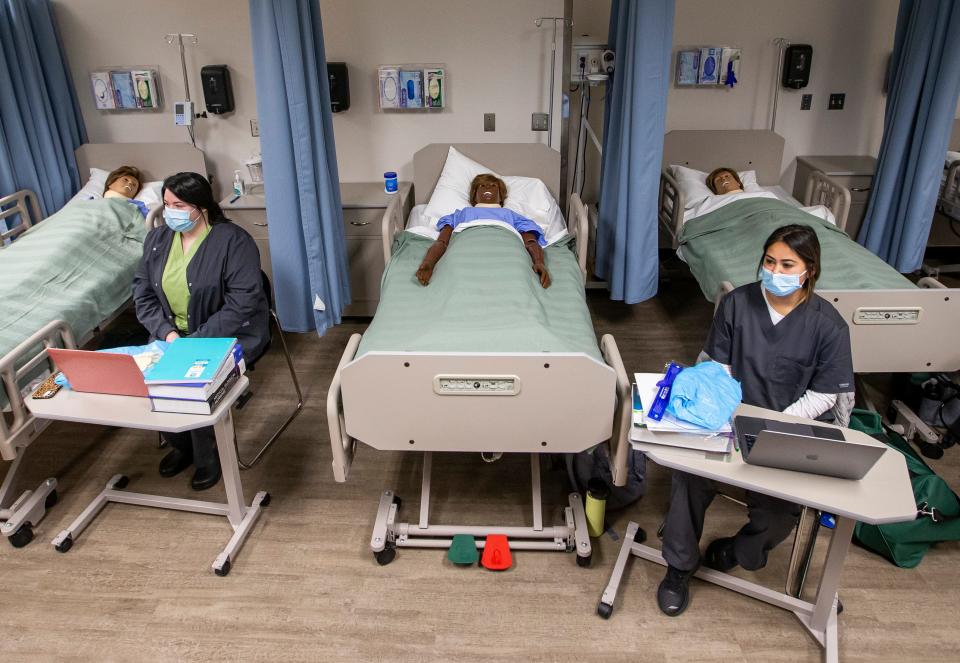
[884, 495]
[133, 412]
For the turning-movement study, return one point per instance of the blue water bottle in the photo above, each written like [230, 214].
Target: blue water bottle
[390, 182]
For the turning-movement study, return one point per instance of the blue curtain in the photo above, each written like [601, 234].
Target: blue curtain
[301, 183]
[635, 115]
[924, 85]
[40, 121]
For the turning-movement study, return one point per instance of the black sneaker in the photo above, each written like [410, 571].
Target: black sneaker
[673, 594]
[720, 555]
[174, 463]
[206, 477]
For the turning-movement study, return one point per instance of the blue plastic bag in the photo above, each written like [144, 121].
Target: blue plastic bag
[157, 348]
[704, 395]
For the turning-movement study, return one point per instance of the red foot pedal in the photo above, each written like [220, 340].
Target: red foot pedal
[496, 553]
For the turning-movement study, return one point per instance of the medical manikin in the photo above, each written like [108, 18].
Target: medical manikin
[487, 193]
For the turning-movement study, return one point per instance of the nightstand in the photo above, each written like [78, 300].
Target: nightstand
[853, 172]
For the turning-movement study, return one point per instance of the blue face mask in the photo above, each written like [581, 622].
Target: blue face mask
[178, 220]
[780, 285]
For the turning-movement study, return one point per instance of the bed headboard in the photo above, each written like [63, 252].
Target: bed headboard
[954, 143]
[156, 161]
[744, 149]
[525, 159]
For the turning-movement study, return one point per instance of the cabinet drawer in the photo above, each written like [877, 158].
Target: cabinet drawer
[362, 221]
[366, 269]
[859, 185]
[253, 221]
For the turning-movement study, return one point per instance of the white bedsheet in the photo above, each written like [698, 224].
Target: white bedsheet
[419, 224]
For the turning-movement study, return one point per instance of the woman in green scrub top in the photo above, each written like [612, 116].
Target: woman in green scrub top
[199, 276]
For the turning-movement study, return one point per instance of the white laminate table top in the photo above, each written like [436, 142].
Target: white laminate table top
[884, 495]
[126, 411]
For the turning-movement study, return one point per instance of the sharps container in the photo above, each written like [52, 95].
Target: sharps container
[390, 182]
[597, 493]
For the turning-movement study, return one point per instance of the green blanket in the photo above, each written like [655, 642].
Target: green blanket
[726, 245]
[483, 297]
[76, 265]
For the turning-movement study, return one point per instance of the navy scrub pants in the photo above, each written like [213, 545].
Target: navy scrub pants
[199, 444]
[770, 521]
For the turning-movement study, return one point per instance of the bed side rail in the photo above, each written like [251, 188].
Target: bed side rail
[24, 202]
[670, 208]
[393, 223]
[622, 414]
[15, 424]
[341, 444]
[821, 190]
[577, 226]
[154, 218]
[951, 183]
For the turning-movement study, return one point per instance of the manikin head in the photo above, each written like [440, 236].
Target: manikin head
[487, 189]
[724, 180]
[124, 181]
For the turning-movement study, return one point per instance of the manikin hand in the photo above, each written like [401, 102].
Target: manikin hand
[434, 253]
[536, 256]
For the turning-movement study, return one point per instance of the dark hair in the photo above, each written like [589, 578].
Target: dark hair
[116, 174]
[803, 241]
[194, 188]
[722, 169]
[487, 178]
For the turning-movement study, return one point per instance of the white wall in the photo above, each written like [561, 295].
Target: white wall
[497, 62]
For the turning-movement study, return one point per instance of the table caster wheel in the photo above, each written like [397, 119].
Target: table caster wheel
[52, 499]
[22, 536]
[223, 570]
[386, 555]
[640, 536]
[266, 500]
[584, 562]
[65, 545]
[604, 610]
[839, 606]
[397, 501]
[121, 483]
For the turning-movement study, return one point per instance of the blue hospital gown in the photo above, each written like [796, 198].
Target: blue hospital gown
[520, 223]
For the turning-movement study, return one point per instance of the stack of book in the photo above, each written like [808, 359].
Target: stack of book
[194, 375]
[671, 431]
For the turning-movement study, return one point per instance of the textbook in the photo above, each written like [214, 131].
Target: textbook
[201, 391]
[191, 360]
[207, 406]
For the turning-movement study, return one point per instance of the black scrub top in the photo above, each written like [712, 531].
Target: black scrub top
[776, 364]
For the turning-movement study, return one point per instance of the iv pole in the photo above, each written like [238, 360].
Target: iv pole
[553, 64]
[781, 44]
[178, 37]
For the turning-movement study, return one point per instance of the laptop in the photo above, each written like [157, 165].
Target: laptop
[100, 372]
[803, 448]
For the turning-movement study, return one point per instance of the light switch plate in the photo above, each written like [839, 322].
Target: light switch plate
[806, 102]
[836, 101]
[489, 121]
[254, 128]
[539, 122]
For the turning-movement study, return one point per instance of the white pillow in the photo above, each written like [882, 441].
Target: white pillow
[527, 196]
[693, 184]
[149, 193]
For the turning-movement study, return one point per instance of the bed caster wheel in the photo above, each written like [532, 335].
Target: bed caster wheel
[64, 545]
[640, 536]
[52, 499]
[584, 562]
[266, 500]
[223, 570]
[121, 483]
[604, 610]
[397, 501]
[839, 606]
[386, 555]
[22, 536]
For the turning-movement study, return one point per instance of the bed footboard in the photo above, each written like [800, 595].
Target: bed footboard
[821, 190]
[18, 427]
[24, 203]
[577, 226]
[670, 208]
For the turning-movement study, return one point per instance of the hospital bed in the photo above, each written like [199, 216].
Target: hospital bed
[945, 229]
[441, 398]
[902, 329]
[51, 297]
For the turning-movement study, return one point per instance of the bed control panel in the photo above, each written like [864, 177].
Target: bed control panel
[883, 315]
[474, 385]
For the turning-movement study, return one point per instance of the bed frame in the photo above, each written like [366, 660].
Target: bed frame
[396, 401]
[891, 331]
[949, 200]
[18, 427]
[760, 150]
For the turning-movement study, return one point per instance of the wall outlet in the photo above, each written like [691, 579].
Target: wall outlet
[489, 121]
[254, 128]
[540, 122]
[806, 102]
[836, 101]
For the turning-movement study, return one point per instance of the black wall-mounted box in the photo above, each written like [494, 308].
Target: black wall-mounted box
[796, 66]
[339, 86]
[217, 90]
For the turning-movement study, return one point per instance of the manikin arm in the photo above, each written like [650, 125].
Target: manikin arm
[434, 253]
[536, 256]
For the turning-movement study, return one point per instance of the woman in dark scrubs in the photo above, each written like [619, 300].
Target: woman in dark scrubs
[790, 350]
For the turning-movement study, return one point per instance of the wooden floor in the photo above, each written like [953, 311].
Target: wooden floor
[137, 584]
